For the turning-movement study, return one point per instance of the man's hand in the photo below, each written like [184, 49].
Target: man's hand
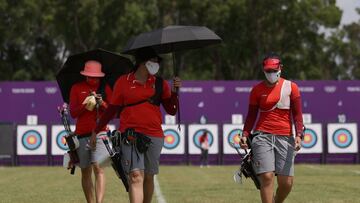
[297, 143]
[243, 143]
[93, 141]
[176, 84]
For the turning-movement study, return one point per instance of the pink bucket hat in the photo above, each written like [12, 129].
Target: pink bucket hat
[92, 69]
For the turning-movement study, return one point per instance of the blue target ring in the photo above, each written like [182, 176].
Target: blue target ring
[342, 138]
[233, 138]
[60, 140]
[31, 140]
[171, 139]
[199, 133]
[310, 139]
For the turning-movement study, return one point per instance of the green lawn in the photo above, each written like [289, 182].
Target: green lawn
[313, 183]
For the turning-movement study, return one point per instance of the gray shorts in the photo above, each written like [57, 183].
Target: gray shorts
[148, 161]
[87, 156]
[273, 153]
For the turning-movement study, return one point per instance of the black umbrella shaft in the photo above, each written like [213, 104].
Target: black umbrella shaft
[176, 70]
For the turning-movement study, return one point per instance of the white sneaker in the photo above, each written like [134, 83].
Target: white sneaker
[201, 166]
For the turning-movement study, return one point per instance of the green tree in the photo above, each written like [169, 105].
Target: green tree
[36, 37]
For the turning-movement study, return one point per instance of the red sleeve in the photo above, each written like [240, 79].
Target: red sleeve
[253, 96]
[76, 106]
[294, 91]
[166, 94]
[117, 96]
[169, 100]
[108, 93]
[250, 120]
[171, 104]
[296, 110]
[106, 117]
[252, 112]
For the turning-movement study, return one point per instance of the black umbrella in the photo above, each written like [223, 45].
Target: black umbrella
[113, 65]
[172, 39]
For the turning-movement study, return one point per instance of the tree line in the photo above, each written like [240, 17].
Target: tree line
[36, 37]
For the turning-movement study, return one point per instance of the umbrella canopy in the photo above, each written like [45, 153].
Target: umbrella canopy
[113, 65]
[172, 39]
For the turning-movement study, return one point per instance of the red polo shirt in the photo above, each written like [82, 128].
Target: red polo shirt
[85, 119]
[145, 117]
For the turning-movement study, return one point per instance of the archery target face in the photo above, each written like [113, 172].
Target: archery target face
[31, 140]
[60, 140]
[195, 132]
[173, 139]
[231, 134]
[310, 139]
[58, 146]
[313, 139]
[342, 138]
[234, 138]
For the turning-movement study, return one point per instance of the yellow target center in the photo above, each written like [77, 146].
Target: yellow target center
[342, 138]
[169, 138]
[32, 140]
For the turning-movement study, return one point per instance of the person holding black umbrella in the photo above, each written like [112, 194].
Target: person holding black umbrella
[277, 101]
[138, 96]
[88, 99]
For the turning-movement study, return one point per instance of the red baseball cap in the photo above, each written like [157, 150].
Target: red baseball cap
[272, 64]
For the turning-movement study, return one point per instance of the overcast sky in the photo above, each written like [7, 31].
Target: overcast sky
[349, 13]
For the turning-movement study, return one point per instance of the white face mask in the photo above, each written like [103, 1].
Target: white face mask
[152, 67]
[273, 77]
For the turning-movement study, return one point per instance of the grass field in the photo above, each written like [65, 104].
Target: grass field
[184, 184]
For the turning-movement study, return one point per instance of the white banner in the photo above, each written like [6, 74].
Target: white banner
[231, 138]
[58, 146]
[342, 138]
[174, 140]
[195, 132]
[313, 139]
[31, 140]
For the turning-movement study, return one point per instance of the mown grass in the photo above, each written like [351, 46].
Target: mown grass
[183, 184]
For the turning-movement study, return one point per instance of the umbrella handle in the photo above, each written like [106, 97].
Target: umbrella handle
[176, 71]
[176, 74]
[178, 112]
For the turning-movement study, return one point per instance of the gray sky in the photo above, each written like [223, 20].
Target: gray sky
[349, 13]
